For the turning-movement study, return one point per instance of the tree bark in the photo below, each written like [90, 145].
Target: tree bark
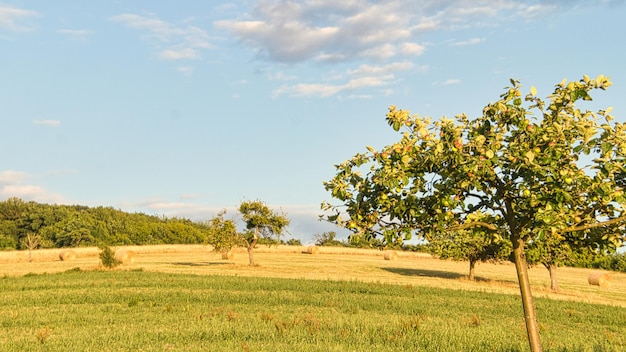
[471, 270]
[251, 253]
[554, 284]
[251, 245]
[530, 316]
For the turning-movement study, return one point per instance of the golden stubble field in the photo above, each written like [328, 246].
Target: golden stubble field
[331, 263]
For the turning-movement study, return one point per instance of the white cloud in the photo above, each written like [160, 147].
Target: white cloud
[364, 76]
[12, 176]
[15, 19]
[412, 49]
[186, 70]
[76, 34]
[184, 53]
[51, 123]
[330, 31]
[447, 82]
[472, 41]
[11, 185]
[182, 42]
[327, 32]
[279, 76]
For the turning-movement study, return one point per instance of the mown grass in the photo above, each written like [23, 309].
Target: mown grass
[136, 310]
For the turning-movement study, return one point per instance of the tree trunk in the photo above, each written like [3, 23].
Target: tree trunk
[251, 253]
[251, 245]
[554, 284]
[471, 271]
[532, 326]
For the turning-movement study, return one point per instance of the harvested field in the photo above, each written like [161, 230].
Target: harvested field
[331, 263]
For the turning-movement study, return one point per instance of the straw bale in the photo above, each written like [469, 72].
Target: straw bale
[312, 249]
[390, 255]
[600, 279]
[228, 255]
[125, 256]
[67, 255]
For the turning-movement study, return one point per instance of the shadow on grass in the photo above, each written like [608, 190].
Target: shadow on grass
[444, 275]
[423, 272]
[201, 264]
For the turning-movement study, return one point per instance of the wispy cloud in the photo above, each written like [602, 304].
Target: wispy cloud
[12, 184]
[332, 31]
[181, 42]
[16, 19]
[186, 70]
[447, 82]
[50, 123]
[328, 32]
[472, 41]
[12, 176]
[76, 34]
[364, 76]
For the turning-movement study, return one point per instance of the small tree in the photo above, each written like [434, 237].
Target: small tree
[107, 257]
[545, 169]
[260, 221]
[30, 242]
[222, 234]
[327, 239]
[475, 244]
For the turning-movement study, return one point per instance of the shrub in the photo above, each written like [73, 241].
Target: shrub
[107, 257]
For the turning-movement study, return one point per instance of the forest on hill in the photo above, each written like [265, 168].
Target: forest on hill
[57, 226]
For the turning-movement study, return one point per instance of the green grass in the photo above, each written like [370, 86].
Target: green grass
[135, 310]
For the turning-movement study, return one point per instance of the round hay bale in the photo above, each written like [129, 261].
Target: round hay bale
[228, 255]
[67, 254]
[600, 279]
[390, 255]
[312, 249]
[125, 256]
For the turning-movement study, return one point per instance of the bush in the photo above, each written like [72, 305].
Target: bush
[107, 257]
[327, 239]
[293, 242]
[615, 262]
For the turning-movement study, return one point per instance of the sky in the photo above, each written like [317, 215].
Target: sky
[189, 107]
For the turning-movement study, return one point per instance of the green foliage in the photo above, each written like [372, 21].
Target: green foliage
[75, 226]
[260, 219]
[294, 242]
[615, 262]
[127, 310]
[261, 222]
[107, 257]
[222, 234]
[360, 241]
[327, 239]
[544, 171]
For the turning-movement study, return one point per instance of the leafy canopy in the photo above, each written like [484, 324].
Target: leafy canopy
[538, 170]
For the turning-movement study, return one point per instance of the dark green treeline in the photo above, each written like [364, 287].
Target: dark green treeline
[75, 225]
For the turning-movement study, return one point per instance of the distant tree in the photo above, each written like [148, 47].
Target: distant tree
[222, 234]
[30, 242]
[327, 239]
[260, 221]
[357, 240]
[294, 242]
[476, 244]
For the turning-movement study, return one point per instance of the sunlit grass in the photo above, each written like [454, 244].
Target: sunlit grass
[138, 310]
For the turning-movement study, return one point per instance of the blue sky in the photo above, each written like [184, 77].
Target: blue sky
[185, 108]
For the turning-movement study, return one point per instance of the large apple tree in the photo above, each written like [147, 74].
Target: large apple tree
[542, 169]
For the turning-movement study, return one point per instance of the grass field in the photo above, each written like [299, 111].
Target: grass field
[184, 298]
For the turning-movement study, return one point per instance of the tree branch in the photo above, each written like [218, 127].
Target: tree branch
[475, 224]
[598, 224]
